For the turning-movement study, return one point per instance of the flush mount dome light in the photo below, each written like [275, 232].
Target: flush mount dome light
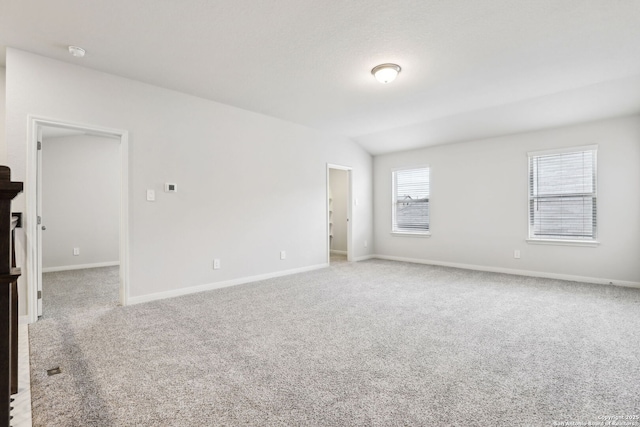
[386, 73]
[76, 51]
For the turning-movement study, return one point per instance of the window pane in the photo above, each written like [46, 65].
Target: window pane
[562, 195]
[411, 200]
[567, 173]
[413, 215]
[564, 217]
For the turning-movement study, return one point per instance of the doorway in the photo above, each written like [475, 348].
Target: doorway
[75, 172]
[339, 215]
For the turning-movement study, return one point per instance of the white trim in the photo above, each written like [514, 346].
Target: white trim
[124, 218]
[218, 285]
[403, 168]
[337, 252]
[38, 185]
[563, 150]
[410, 234]
[80, 266]
[342, 168]
[23, 320]
[34, 123]
[559, 242]
[30, 223]
[21, 410]
[364, 258]
[516, 272]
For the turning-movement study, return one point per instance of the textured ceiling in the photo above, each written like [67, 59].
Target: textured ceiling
[471, 69]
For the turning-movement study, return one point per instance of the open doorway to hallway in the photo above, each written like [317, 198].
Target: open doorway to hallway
[79, 212]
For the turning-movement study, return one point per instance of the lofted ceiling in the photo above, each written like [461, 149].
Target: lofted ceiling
[470, 68]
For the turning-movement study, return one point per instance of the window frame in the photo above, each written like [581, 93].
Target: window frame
[547, 240]
[408, 232]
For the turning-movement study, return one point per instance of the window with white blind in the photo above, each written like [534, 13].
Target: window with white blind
[562, 195]
[410, 213]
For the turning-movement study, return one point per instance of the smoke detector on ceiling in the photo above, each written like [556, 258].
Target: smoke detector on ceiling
[76, 51]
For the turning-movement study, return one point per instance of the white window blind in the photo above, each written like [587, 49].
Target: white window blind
[411, 201]
[562, 195]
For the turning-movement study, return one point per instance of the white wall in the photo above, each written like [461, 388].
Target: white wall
[339, 184]
[249, 185]
[80, 201]
[15, 206]
[479, 203]
[3, 145]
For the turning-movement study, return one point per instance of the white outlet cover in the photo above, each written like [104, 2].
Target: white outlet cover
[151, 196]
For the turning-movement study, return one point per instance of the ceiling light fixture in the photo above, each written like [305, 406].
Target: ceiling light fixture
[386, 73]
[76, 51]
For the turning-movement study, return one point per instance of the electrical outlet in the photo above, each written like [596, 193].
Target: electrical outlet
[283, 254]
[76, 251]
[216, 264]
[366, 244]
[516, 254]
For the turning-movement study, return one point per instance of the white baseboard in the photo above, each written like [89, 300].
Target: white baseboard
[218, 285]
[337, 252]
[23, 320]
[80, 266]
[516, 272]
[364, 258]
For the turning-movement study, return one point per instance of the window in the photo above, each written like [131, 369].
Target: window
[410, 201]
[562, 195]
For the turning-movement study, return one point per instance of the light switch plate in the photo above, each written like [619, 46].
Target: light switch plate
[151, 196]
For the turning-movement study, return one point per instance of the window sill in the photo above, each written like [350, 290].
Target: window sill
[409, 234]
[587, 243]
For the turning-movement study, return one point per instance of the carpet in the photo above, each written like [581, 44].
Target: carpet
[75, 291]
[374, 343]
